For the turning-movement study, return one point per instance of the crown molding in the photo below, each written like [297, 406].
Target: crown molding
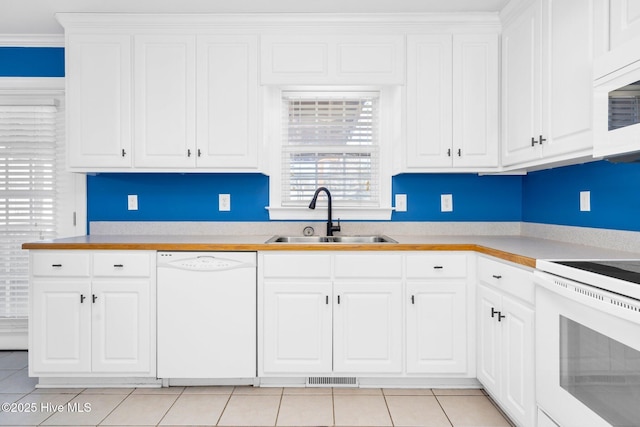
[261, 21]
[31, 40]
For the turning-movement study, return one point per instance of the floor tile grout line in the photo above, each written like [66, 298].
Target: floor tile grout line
[116, 407]
[443, 410]
[45, 420]
[384, 396]
[172, 405]
[333, 406]
[499, 409]
[279, 407]
[225, 406]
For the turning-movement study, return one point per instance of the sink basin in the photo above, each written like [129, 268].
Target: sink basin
[331, 239]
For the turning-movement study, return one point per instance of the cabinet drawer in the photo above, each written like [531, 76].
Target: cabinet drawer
[368, 265]
[297, 265]
[510, 279]
[119, 264]
[61, 264]
[436, 265]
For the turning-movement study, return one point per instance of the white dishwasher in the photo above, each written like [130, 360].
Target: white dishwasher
[206, 315]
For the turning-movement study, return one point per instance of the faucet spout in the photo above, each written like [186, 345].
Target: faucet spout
[330, 227]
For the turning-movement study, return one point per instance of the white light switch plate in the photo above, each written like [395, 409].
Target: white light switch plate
[446, 203]
[585, 201]
[224, 202]
[401, 202]
[132, 202]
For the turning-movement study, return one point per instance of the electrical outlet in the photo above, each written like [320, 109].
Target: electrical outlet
[446, 203]
[585, 201]
[132, 202]
[401, 202]
[224, 202]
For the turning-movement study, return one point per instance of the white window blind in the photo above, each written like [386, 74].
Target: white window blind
[331, 140]
[28, 136]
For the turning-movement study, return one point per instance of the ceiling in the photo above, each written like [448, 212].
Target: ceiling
[37, 16]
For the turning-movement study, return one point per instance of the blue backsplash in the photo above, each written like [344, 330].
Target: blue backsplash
[549, 196]
[553, 196]
[177, 197]
[194, 197]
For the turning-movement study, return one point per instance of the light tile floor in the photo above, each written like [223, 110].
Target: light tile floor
[236, 406]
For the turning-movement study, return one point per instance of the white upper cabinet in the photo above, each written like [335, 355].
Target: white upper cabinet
[98, 76]
[144, 97]
[165, 89]
[568, 114]
[521, 87]
[452, 102]
[475, 100]
[624, 21]
[227, 102]
[429, 101]
[332, 59]
[196, 102]
[547, 83]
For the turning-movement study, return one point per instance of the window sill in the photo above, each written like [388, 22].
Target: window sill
[320, 213]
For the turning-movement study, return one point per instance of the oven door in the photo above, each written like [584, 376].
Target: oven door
[587, 354]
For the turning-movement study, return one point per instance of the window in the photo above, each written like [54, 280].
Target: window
[27, 196]
[332, 139]
[38, 198]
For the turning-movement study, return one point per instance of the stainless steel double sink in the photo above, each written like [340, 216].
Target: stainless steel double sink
[331, 239]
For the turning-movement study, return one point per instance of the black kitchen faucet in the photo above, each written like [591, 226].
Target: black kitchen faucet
[330, 227]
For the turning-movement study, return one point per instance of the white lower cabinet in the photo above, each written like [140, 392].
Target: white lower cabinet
[296, 327]
[367, 322]
[120, 326]
[323, 313]
[436, 328]
[505, 364]
[60, 332]
[346, 313]
[438, 315]
[92, 314]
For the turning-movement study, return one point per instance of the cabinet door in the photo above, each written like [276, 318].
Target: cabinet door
[568, 76]
[60, 327]
[475, 100]
[521, 87]
[295, 60]
[518, 365]
[98, 79]
[121, 326]
[624, 21]
[370, 59]
[332, 59]
[429, 103]
[165, 101]
[489, 340]
[436, 328]
[227, 102]
[367, 327]
[297, 327]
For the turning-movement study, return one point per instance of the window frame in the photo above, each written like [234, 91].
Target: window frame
[71, 212]
[389, 113]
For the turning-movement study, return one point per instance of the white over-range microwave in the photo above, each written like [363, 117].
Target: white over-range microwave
[617, 102]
